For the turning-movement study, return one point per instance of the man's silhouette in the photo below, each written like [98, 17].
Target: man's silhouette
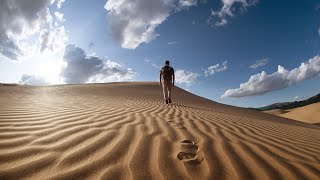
[167, 81]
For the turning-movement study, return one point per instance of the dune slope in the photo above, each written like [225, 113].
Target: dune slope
[308, 114]
[124, 131]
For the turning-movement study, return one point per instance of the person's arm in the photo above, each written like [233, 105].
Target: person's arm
[173, 78]
[160, 77]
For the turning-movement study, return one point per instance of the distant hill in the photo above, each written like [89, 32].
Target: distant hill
[291, 105]
[9, 84]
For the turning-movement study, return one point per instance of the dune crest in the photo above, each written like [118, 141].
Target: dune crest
[124, 131]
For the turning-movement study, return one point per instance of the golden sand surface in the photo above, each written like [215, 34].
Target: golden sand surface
[308, 114]
[125, 131]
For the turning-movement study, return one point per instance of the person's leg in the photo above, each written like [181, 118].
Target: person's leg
[165, 91]
[169, 85]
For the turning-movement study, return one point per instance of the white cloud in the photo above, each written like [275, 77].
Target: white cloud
[319, 31]
[259, 63]
[9, 48]
[262, 83]
[59, 16]
[173, 43]
[53, 40]
[230, 7]
[33, 80]
[59, 3]
[211, 70]
[222, 22]
[81, 68]
[21, 20]
[133, 22]
[187, 3]
[186, 77]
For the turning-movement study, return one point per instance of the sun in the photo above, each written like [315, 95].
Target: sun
[48, 67]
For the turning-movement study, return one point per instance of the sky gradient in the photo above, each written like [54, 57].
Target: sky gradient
[245, 53]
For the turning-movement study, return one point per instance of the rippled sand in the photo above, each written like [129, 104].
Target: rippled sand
[124, 131]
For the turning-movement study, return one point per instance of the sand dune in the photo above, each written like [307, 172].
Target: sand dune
[276, 111]
[124, 131]
[308, 114]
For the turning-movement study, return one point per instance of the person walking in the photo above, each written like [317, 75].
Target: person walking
[167, 81]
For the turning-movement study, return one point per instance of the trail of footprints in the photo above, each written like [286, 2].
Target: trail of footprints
[189, 150]
[177, 125]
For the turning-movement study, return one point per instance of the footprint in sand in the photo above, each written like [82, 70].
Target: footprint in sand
[189, 152]
[177, 125]
[172, 116]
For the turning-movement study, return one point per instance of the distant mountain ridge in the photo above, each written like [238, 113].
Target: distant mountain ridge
[291, 105]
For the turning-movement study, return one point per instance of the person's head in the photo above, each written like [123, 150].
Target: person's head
[167, 62]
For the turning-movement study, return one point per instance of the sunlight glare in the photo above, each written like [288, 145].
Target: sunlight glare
[49, 67]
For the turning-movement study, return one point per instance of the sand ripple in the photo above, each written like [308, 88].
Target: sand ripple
[124, 131]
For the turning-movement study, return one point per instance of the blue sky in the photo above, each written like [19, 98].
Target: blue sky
[214, 46]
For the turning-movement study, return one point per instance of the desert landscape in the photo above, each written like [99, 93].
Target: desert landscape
[125, 131]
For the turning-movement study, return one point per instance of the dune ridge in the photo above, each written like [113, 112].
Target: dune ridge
[124, 131]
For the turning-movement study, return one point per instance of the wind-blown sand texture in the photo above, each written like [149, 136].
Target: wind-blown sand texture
[124, 131]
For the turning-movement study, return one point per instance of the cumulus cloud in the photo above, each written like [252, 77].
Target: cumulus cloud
[33, 80]
[229, 8]
[259, 63]
[81, 68]
[262, 82]
[19, 19]
[211, 70]
[133, 22]
[59, 16]
[9, 48]
[182, 4]
[59, 3]
[53, 39]
[187, 3]
[186, 77]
